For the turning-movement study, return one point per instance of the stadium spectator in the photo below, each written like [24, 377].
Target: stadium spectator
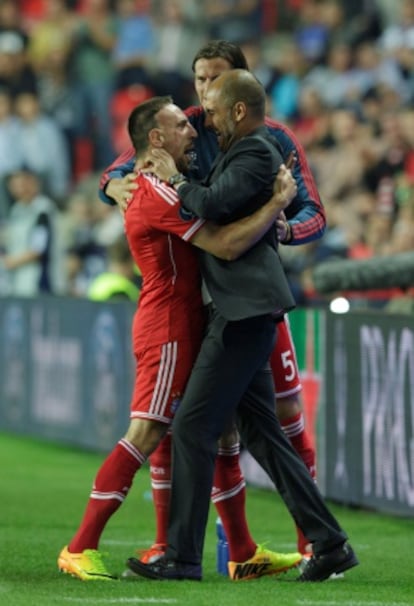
[11, 157]
[135, 43]
[311, 124]
[11, 19]
[234, 20]
[310, 33]
[180, 30]
[49, 51]
[334, 80]
[121, 281]
[30, 238]
[57, 100]
[285, 90]
[56, 29]
[92, 78]
[264, 71]
[91, 229]
[16, 74]
[43, 146]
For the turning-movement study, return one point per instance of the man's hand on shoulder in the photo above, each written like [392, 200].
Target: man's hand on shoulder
[121, 190]
[160, 163]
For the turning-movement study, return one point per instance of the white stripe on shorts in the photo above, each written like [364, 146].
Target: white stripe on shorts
[162, 390]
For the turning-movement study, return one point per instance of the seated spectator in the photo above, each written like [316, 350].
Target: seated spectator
[11, 19]
[44, 148]
[284, 92]
[29, 252]
[10, 149]
[85, 256]
[55, 29]
[180, 32]
[121, 281]
[399, 34]
[311, 34]
[49, 50]
[92, 227]
[135, 43]
[374, 70]
[334, 79]
[92, 81]
[265, 72]
[15, 72]
[311, 125]
[57, 99]
[233, 20]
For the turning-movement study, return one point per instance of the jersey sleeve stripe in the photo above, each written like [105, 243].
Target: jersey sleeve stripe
[193, 229]
[165, 191]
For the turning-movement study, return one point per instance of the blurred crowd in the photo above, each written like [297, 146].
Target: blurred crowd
[340, 74]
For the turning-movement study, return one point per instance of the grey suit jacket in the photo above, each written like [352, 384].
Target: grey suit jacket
[240, 182]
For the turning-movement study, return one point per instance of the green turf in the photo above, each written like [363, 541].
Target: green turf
[43, 494]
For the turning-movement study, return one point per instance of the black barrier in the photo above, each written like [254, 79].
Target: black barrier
[396, 271]
[66, 370]
[369, 411]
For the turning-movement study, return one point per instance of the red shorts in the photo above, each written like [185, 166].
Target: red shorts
[161, 376]
[283, 362]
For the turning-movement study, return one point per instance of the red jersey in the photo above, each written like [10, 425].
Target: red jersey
[158, 229]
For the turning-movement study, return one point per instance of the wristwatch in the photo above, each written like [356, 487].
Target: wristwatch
[177, 178]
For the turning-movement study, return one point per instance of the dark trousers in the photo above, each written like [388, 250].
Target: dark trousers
[232, 377]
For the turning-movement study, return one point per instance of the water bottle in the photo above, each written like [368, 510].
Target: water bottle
[222, 549]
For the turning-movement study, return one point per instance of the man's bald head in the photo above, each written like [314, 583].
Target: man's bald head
[235, 106]
[240, 85]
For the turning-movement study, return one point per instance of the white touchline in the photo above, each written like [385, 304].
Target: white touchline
[351, 603]
[119, 600]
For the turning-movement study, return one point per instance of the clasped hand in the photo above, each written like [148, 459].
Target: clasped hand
[160, 163]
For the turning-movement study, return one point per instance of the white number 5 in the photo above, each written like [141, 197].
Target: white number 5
[288, 365]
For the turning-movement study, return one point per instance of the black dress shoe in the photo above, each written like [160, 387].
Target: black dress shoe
[320, 567]
[166, 570]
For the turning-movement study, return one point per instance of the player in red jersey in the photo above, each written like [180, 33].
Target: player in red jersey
[168, 324]
[305, 221]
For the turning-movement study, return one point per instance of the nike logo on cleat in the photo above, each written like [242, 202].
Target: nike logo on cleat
[243, 571]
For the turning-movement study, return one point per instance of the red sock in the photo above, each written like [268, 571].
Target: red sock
[229, 497]
[294, 428]
[160, 467]
[110, 488]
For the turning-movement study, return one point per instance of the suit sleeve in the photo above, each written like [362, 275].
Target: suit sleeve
[246, 172]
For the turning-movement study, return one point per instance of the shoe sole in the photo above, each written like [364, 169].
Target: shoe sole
[336, 576]
[337, 573]
[129, 574]
[63, 569]
[264, 574]
[145, 571]
[347, 565]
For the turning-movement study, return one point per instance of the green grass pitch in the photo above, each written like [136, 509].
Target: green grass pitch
[44, 489]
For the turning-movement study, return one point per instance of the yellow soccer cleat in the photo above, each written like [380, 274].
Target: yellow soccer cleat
[263, 562]
[87, 565]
